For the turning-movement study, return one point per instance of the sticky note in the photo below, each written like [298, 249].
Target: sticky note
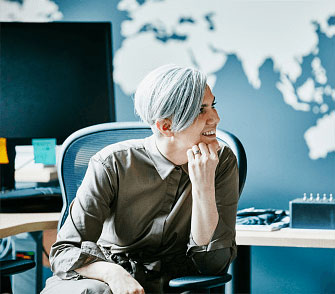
[44, 151]
[3, 151]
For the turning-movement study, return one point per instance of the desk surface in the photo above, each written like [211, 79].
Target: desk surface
[288, 237]
[15, 223]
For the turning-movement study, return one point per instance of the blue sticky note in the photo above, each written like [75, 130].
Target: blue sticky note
[45, 151]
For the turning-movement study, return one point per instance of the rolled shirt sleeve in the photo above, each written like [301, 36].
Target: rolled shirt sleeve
[76, 241]
[215, 257]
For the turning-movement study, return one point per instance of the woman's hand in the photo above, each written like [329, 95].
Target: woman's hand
[202, 162]
[121, 282]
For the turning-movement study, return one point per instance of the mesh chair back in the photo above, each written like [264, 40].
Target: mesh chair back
[82, 145]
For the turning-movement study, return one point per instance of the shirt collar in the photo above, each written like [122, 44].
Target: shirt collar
[163, 166]
[185, 167]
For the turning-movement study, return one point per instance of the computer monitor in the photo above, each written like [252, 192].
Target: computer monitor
[55, 78]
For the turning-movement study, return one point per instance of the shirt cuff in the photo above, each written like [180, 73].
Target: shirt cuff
[218, 241]
[88, 253]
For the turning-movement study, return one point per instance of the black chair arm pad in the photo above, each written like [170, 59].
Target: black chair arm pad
[15, 266]
[195, 282]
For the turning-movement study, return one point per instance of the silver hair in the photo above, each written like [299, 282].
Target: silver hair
[171, 92]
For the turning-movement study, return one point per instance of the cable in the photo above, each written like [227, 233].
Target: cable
[45, 252]
[5, 249]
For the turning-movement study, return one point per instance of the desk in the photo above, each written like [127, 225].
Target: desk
[14, 223]
[287, 237]
[17, 223]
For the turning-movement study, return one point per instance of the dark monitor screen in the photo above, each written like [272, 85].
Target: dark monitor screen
[55, 78]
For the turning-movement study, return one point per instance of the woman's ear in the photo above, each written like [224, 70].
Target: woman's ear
[164, 127]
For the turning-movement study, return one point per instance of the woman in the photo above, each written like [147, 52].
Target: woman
[153, 209]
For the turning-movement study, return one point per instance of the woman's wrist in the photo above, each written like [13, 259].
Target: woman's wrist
[111, 272]
[203, 193]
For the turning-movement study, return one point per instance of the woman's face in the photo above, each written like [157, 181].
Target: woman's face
[203, 129]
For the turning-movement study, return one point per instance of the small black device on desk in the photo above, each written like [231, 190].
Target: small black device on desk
[31, 200]
[313, 212]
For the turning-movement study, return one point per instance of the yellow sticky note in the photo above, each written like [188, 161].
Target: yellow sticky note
[3, 151]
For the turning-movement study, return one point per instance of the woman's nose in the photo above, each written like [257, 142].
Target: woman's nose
[213, 117]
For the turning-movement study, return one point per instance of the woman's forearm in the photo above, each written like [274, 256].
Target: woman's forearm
[204, 216]
[100, 270]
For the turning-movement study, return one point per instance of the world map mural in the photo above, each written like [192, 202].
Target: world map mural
[287, 33]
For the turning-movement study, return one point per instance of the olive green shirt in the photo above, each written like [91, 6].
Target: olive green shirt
[133, 200]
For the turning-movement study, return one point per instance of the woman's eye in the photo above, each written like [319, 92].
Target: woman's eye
[202, 110]
[213, 104]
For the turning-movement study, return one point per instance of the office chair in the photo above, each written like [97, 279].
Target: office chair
[77, 150]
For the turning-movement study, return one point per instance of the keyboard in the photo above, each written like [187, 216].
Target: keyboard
[46, 199]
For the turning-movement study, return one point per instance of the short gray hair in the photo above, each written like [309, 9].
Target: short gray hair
[172, 92]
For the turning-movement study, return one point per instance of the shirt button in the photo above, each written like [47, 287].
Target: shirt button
[177, 167]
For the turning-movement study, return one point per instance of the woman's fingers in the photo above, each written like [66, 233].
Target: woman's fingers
[203, 151]
[202, 162]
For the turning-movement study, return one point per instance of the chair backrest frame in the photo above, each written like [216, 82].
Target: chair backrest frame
[142, 130]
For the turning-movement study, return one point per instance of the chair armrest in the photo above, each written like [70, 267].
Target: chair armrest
[200, 282]
[15, 266]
